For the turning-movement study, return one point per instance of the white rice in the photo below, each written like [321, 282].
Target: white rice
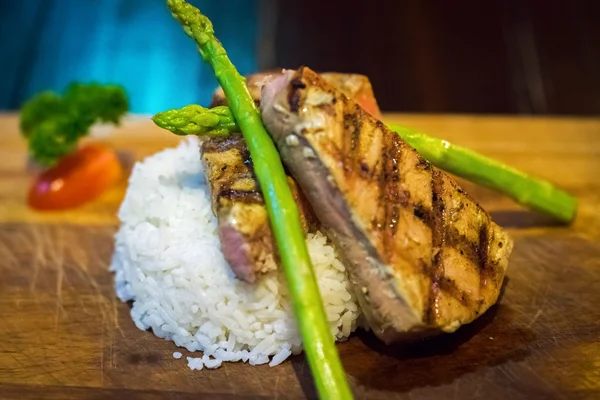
[168, 261]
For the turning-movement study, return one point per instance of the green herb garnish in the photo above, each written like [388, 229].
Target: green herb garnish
[53, 124]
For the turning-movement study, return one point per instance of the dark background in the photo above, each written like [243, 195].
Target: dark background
[506, 57]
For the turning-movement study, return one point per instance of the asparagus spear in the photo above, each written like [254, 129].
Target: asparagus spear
[283, 213]
[531, 192]
[197, 120]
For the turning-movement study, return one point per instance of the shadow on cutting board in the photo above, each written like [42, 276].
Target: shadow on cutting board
[441, 360]
[522, 219]
[489, 341]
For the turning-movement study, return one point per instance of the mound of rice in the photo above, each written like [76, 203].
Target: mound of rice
[169, 262]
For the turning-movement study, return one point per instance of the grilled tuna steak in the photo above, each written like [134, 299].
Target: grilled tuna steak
[423, 256]
[246, 238]
[244, 230]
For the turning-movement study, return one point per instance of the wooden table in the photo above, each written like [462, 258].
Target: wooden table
[65, 335]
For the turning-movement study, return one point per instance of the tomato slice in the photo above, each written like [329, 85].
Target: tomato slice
[369, 104]
[76, 179]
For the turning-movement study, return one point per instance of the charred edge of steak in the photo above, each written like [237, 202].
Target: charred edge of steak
[294, 93]
[242, 196]
[223, 144]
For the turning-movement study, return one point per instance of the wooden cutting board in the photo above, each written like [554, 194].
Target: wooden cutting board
[65, 335]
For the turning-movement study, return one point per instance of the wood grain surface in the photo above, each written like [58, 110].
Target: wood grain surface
[65, 335]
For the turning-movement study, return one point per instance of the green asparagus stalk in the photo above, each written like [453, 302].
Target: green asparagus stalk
[318, 342]
[531, 192]
[197, 120]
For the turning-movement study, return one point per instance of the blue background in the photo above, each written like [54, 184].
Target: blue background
[45, 44]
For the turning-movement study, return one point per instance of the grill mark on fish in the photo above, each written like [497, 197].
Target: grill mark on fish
[483, 246]
[395, 179]
[391, 155]
[467, 248]
[328, 108]
[354, 136]
[347, 141]
[378, 221]
[383, 199]
[353, 157]
[234, 141]
[423, 214]
[430, 314]
[426, 215]
[437, 240]
[364, 169]
[477, 253]
[357, 129]
[483, 257]
[491, 272]
[449, 286]
[352, 130]
[242, 196]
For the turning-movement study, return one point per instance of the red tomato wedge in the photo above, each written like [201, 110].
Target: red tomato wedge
[369, 104]
[76, 179]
